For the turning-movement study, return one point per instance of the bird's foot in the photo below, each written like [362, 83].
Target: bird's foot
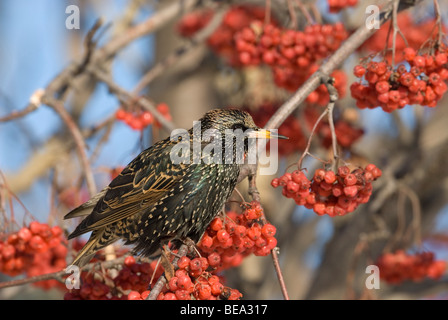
[191, 246]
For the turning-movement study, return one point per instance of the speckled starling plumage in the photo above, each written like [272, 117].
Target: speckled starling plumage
[154, 201]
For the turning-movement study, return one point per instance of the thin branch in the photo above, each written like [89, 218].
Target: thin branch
[438, 22]
[124, 95]
[334, 96]
[152, 24]
[255, 194]
[58, 106]
[396, 30]
[35, 102]
[310, 138]
[174, 57]
[58, 275]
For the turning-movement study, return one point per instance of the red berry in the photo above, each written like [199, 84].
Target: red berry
[382, 86]
[330, 177]
[216, 224]
[24, 234]
[409, 54]
[195, 264]
[120, 114]
[222, 235]
[359, 71]
[268, 230]
[134, 295]
[129, 261]
[146, 118]
[183, 262]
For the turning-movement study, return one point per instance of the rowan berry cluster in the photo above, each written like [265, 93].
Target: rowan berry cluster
[296, 49]
[192, 281]
[137, 276]
[422, 83]
[338, 5]
[132, 276]
[140, 120]
[34, 250]
[222, 42]
[335, 194]
[243, 39]
[399, 266]
[293, 55]
[231, 238]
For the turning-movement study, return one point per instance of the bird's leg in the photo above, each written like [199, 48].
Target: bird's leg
[191, 246]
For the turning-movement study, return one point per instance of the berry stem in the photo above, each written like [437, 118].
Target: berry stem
[255, 194]
[308, 144]
[334, 95]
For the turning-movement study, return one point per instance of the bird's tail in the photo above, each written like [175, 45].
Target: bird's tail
[96, 242]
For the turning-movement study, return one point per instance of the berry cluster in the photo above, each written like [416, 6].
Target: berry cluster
[132, 276]
[221, 42]
[423, 83]
[335, 194]
[139, 121]
[192, 281]
[338, 5]
[399, 266]
[293, 55]
[276, 46]
[34, 250]
[137, 276]
[243, 39]
[417, 33]
[231, 238]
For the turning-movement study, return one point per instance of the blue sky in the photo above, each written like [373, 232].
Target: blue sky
[34, 48]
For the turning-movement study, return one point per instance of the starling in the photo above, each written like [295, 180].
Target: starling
[155, 200]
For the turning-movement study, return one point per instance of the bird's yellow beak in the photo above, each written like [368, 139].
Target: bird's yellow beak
[265, 134]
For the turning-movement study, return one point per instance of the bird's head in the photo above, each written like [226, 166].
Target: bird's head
[234, 119]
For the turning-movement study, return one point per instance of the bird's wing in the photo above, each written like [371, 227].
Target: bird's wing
[141, 184]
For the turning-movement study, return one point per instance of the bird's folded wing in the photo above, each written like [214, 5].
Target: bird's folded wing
[141, 184]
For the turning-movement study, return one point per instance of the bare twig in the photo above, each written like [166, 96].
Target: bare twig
[333, 95]
[124, 95]
[174, 57]
[35, 102]
[58, 106]
[396, 30]
[310, 138]
[255, 194]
